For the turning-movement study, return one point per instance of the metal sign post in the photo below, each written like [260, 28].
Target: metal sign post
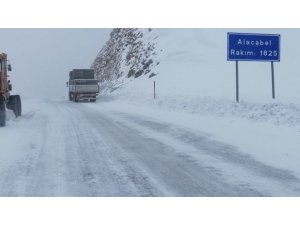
[273, 80]
[253, 47]
[237, 80]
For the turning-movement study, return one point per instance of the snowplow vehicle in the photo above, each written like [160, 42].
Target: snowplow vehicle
[12, 102]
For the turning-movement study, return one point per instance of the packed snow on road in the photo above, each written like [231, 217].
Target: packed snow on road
[110, 148]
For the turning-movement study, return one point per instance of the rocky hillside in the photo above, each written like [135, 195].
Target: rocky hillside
[129, 53]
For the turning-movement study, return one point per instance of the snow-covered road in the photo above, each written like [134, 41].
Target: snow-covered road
[59, 148]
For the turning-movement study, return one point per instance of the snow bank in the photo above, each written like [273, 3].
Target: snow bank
[141, 93]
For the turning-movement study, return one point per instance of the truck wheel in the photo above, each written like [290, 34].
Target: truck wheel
[19, 105]
[2, 114]
[70, 96]
[13, 104]
[9, 104]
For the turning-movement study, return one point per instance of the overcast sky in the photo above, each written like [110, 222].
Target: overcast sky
[42, 58]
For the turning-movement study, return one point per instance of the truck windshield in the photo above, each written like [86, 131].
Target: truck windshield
[86, 82]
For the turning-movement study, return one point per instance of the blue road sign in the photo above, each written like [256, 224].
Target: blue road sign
[253, 47]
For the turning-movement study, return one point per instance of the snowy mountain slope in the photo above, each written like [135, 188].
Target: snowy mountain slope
[194, 61]
[128, 53]
[194, 76]
[197, 58]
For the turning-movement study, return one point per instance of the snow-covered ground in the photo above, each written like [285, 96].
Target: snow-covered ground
[193, 139]
[253, 128]
[117, 148]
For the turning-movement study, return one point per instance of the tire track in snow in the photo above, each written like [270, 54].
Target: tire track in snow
[175, 174]
[279, 182]
[104, 171]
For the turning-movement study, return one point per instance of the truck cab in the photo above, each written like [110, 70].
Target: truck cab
[12, 102]
[82, 85]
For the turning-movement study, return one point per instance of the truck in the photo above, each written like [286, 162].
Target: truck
[11, 102]
[82, 85]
